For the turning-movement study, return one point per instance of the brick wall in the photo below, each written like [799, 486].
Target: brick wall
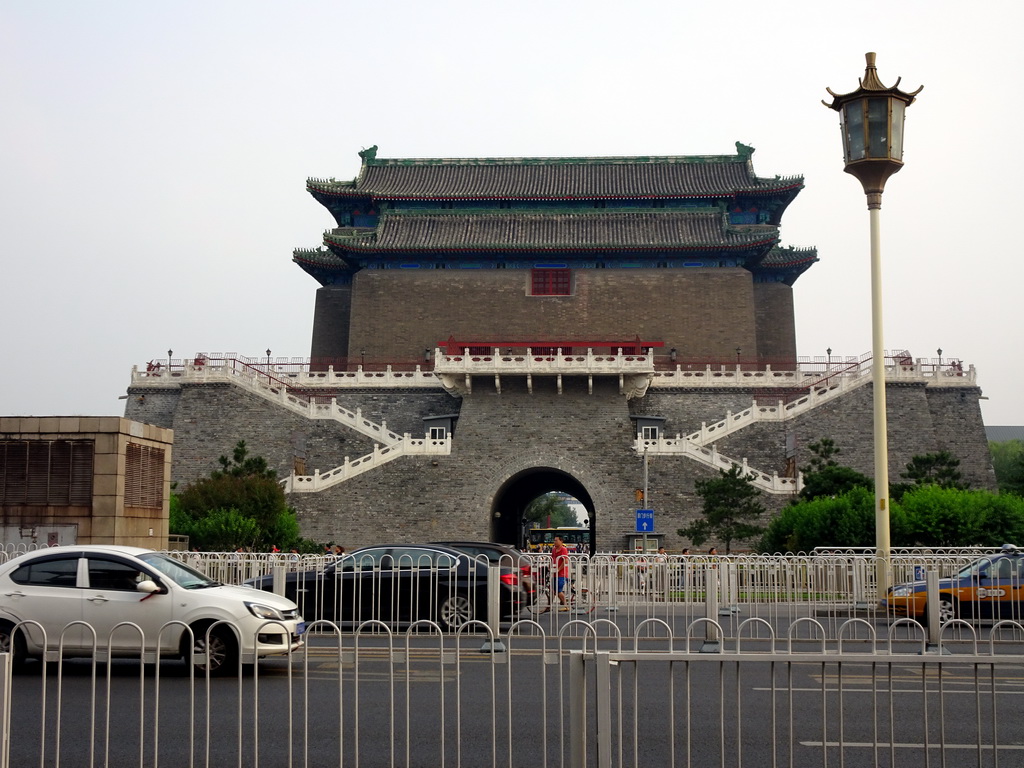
[776, 327]
[703, 313]
[516, 439]
[331, 322]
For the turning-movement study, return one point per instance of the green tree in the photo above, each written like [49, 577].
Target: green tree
[550, 506]
[729, 507]
[239, 505]
[939, 468]
[823, 476]
[1008, 462]
[927, 515]
[950, 517]
[844, 520]
[822, 452]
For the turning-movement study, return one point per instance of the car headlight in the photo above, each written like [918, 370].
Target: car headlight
[261, 611]
[902, 591]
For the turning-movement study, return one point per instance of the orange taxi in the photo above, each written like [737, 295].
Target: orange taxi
[991, 587]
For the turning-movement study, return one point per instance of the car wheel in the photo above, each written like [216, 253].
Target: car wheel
[947, 610]
[14, 644]
[455, 611]
[223, 651]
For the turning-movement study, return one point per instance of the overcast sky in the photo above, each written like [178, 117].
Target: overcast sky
[153, 158]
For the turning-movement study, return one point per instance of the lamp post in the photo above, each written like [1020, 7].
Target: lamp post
[871, 121]
[939, 351]
[268, 358]
[170, 352]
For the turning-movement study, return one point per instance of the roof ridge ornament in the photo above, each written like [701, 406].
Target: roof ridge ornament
[368, 154]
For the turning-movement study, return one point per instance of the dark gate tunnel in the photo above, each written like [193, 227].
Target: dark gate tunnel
[516, 494]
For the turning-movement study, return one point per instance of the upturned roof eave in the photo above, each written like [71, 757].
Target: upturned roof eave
[794, 185]
[367, 250]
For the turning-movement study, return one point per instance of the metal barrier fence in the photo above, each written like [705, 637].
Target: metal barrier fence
[633, 588]
[581, 695]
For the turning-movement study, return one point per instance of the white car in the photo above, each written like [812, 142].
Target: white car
[103, 586]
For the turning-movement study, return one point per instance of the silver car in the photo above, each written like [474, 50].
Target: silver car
[103, 587]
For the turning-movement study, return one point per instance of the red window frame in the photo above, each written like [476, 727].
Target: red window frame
[550, 282]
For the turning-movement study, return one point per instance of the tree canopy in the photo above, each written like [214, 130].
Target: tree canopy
[835, 508]
[1008, 462]
[926, 516]
[730, 509]
[550, 507]
[240, 505]
[823, 476]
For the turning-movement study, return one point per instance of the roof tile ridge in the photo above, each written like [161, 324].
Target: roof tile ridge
[555, 160]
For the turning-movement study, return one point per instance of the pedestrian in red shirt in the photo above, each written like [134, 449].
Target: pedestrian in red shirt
[560, 555]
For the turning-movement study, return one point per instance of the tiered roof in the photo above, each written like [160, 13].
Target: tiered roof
[579, 178]
[510, 208]
[540, 231]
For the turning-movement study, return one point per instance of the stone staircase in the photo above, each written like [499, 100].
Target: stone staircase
[834, 384]
[819, 393]
[281, 393]
[390, 445]
[767, 482]
[405, 446]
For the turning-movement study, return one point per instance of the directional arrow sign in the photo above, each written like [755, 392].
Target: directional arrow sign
[644, 520]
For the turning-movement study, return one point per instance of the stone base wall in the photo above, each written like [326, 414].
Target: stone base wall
[510, 445]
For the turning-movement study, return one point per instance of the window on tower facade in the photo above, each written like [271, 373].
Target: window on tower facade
[550, 282]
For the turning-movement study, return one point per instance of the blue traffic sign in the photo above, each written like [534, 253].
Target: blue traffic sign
[644, 520]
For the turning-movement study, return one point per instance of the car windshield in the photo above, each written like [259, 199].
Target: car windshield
[978, 567]
[181, 574]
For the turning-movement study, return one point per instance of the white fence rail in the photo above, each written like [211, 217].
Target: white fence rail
[581, 695]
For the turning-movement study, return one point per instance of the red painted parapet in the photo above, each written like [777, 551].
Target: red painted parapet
[634, 346]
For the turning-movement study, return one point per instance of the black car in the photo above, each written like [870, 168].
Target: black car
[499, 554]
[399, 584]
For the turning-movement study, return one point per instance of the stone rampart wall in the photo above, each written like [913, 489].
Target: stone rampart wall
[504, 439]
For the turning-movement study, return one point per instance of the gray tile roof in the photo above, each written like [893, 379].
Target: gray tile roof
[562, 231]
[1004, 434]
[557, 178]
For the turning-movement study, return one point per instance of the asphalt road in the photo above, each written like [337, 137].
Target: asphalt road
[419, 704]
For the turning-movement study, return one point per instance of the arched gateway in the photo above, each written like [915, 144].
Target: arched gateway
[535, 324]
[515, 495]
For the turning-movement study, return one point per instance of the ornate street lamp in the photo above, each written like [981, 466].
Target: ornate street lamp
[871, 120]
[169, 353]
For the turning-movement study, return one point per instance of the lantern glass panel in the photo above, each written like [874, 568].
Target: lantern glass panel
[878, 128]
[853, 134]
[896, 147]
